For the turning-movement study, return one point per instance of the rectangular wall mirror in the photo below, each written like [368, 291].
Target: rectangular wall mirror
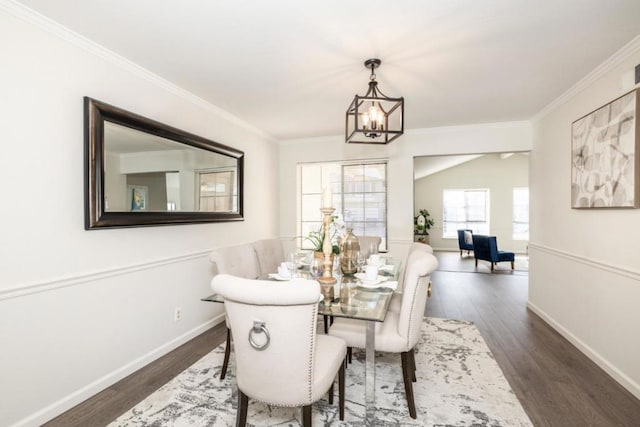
[139, 172]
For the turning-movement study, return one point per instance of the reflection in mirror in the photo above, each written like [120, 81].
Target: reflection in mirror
[141, 172]
[145, 172]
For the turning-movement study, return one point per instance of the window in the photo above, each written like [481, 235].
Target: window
[359, 196]
[521, 213]
[216, 191]
[465, 209]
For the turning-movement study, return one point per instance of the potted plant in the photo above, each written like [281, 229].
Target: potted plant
[316, 238]
[422, 223]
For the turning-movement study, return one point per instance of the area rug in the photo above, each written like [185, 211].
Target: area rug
[459, 384]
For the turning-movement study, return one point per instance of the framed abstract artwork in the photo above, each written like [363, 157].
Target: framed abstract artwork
[138, 198]
[604, 162]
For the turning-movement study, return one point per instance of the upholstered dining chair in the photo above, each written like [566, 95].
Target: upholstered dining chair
[238, 261]
[400, 332]
[396, 298]
[365, 243]
[270, 254]
[280, 358]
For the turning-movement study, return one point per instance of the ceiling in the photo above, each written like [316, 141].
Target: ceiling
[291, 68]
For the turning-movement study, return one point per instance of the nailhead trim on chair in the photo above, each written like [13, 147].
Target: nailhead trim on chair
[413, 300]
[413, 305]
[314, 319]
[314, 315]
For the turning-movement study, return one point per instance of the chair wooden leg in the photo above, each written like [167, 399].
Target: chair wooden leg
[227, 351]
[412, 353]
[460, 253]
[325, 319]
[306, 416]
[349, 352]
[341, 391]
[492, 264]
[476, 262]
[241, 416]
[331, 395]
[512, 265]
[408, 386]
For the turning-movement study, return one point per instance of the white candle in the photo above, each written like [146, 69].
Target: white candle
[327, 198]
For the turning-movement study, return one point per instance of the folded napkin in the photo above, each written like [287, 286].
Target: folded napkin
[386, 267]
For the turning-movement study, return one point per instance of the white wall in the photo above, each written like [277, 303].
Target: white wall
[472, 139]
[81, 309]
[499, 175]
[584, 271]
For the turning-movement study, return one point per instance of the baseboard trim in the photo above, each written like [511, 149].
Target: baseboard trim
[49, 412]
[615, 373]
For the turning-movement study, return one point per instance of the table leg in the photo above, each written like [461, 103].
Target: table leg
[370, 373]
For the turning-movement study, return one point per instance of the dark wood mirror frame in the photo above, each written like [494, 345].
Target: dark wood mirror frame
[96, 216]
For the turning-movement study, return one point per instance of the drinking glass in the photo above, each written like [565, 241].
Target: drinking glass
[373, 249]
[314, 268]
[360, 261]
[292, 265]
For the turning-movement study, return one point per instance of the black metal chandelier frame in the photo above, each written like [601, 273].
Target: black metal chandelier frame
[356, 131]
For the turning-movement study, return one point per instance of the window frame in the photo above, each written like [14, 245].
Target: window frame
[232, 195]
[467, 224]
[514, 210]
[340, 195]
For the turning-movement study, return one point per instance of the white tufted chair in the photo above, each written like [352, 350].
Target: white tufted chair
[365, 243]
[297, 366]
[399, 333]
[396, 299]
[239, 261]
[270, 254]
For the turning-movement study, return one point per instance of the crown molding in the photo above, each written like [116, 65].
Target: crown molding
[470, 127]
[613, 61]
[32, 17]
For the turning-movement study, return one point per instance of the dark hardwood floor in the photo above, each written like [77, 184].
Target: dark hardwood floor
[556, 384]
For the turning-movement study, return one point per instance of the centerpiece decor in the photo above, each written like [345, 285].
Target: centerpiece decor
[327, 280]
[349, 248]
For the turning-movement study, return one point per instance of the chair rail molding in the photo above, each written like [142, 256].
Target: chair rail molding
[49, 285]
[611, 268]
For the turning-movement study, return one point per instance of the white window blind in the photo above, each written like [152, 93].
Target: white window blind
[465, 209]
[216, 191]
[359, 197]
[521, 213]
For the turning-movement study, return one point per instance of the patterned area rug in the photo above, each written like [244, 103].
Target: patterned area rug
[459, 384]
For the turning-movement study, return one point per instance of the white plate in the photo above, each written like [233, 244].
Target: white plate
[370, 283]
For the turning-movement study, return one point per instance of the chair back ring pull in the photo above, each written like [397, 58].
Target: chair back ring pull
[259, 327]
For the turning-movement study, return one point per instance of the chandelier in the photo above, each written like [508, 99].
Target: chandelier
[374, 118]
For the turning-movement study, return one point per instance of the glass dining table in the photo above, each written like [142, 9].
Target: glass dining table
[356, 298]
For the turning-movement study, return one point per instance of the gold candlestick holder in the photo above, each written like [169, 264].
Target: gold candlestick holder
[327, 280]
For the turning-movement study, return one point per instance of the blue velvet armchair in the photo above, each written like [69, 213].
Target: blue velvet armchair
[486, 249]
[465, 241]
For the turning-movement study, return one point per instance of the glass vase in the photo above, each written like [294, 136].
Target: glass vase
[349, 248]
